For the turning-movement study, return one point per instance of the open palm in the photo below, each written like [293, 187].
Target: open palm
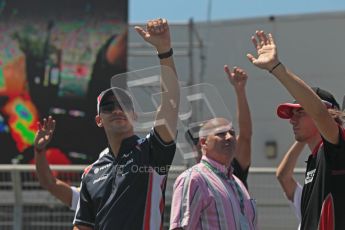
[266, 51]
[44, 133]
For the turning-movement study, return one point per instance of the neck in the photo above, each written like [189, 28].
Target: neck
[313, 142]
[115, 141]
[221, 159]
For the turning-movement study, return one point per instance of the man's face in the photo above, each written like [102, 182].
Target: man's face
[116, 116]
[221, 140]
[303, 126]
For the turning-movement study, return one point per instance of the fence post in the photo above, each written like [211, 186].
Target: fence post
[18, 200]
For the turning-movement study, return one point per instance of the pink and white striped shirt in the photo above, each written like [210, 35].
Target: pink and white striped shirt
[204, 200]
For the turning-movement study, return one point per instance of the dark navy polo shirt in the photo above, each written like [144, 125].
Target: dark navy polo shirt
[126, 192]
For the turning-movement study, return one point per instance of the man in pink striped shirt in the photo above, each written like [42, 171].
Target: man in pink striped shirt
[208, 195]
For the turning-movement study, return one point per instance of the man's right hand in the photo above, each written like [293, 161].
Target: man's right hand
[157, 33]
[266, 49]
[238, 77]
[44, 134]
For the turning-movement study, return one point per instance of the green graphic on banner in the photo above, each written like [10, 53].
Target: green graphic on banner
[2, 79]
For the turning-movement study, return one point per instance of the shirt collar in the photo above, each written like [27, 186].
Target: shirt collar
[126, 145]
[222, 168]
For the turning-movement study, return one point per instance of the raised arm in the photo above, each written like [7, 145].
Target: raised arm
[157, 33]
[285, 169]
[267, 59]
[56, 187]
[117, 48]
[238, 79]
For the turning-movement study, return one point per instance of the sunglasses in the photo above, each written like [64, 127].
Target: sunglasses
[109, 107]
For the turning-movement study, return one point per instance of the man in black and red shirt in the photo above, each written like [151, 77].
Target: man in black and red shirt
[316, 121]
[125, 188]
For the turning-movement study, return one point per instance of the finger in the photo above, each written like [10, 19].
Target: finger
[39, 127]
[164, 21]
[259, 36]
[158, 26]
[165, 24]
[44, 123]
[236, 71]
[141, 31]
[239, 71]
[51, 123]
[154, 26]
[255, 43]
[53, 126]
[49, 120]
[227, 70]
[160, 21]
[264, 37]
[251, 58]
[149, 25]
[270, 38]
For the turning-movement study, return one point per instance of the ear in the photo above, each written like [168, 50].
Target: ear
[203, 144]
[202, 141]
[98, 120]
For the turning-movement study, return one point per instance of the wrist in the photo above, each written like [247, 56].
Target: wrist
[163, 49]
[274, 66]
[38, 150]
[167, 54]
[240, 90]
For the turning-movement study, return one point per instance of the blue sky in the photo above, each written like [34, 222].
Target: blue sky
[183, 10]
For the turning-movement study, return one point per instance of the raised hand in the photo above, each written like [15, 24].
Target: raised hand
[266, 49]
[157, 34]
[44, 133]
[238, 77]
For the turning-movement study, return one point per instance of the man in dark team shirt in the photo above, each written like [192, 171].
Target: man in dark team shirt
[125, 188]
[316, 120]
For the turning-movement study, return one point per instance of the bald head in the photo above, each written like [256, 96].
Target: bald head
[218, 140]
[214, 126]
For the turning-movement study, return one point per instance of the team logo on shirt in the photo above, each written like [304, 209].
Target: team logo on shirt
[105, 176]
[96, 170]
[310, 176]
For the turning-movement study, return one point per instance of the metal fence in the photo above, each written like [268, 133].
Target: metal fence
[25, 205]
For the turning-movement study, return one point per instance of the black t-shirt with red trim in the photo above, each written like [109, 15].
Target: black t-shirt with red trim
[323, 196]
[126, 192]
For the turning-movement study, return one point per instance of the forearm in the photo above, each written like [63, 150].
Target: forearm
[116, 48]
[243, 151]
[300, 91]
[57, 188]
[243, 115]
[44, 174]
[285, 169]
[170, 98]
